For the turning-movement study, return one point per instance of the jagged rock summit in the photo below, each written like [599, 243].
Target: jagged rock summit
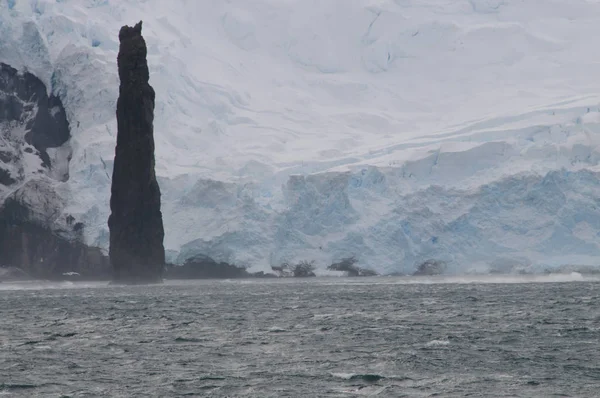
[137, 253]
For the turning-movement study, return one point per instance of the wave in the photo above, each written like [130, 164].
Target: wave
[380, 280]
[464, 279]
[43, 285]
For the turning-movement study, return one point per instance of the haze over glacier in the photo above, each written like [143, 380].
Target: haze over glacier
[465, 131]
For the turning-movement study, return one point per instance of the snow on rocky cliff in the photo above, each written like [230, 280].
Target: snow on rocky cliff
[465, 131]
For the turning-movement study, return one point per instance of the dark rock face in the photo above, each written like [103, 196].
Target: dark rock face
[42, 253]
[12, 274]
[430, 268]
[136, 229]
[203, 267]
[349, 266]
[303, 269]
[31, 122]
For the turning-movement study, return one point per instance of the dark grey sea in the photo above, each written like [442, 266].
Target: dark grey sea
[319, 337]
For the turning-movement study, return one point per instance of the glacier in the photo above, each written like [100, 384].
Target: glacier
[396, 131]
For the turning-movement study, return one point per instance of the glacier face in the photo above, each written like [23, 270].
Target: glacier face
[396, 131]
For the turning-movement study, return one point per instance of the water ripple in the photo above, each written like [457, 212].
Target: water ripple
[296, 339]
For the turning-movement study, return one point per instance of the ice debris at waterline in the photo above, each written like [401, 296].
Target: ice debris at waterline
[136, 252]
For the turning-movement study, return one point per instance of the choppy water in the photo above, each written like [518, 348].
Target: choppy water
[315, 338]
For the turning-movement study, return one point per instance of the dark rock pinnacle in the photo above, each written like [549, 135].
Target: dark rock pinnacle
[137, 253]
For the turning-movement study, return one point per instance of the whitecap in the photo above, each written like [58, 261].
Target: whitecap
[433, 343]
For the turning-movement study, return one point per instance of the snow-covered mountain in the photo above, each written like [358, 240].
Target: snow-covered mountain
[466, 131]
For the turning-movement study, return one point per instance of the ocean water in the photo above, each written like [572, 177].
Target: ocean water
[320, 337]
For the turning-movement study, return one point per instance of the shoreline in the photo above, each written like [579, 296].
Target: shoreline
[382, 279]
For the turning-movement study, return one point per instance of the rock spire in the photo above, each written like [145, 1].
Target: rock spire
[137, 254]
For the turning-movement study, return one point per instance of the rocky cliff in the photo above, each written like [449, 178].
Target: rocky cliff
[42, 253]
[34, 160]
[33, 125]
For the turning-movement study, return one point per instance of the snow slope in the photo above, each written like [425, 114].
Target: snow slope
[396, 131]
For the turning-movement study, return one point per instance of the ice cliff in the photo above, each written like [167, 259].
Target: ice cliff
[398, 131]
